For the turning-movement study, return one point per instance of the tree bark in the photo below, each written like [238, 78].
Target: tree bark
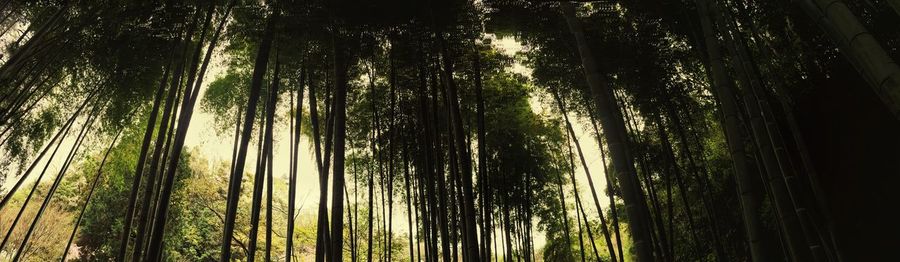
[409, 211]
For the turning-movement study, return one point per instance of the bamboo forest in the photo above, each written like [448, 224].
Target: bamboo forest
[449, 130]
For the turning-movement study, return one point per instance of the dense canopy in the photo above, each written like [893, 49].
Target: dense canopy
[449, 130]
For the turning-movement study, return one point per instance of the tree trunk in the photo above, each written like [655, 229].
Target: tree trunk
[65, 131]
[165, 132]
[565, 217]
[676, 172]
[390, 179]
[371, 200]
[261, 157]
[587, 173]
[750, 193]
[295, 152]
[580, 232]
[148, 134]
[322, 226]
[341, 67]
[234, 187]
[587, 226]
[87, 199]
[482, 161]
[443, 207]
[465, 161]
[609, 186]
[350, 226]
[409, 211]
[614, 129]
[192, 90]
[269, 177]
[52, 190]
[860, 47]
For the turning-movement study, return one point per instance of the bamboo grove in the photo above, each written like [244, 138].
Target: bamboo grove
[449, 130]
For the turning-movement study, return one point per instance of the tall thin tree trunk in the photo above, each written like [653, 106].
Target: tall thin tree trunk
[34, 163]
[483, 179]
[465, 161]
[750, 193]
[587, 227]
[860, 47]
[409, 211]
[676, 172]
[428, 171]
[578, 220]
[262, 160]
[565, 217]
[269, 177]
[164, 130]
[578, 207]
[322, 226]
[192, 90]
[609, 185]
[637, 141]
[234, 187]
[614, 129]
[142, 157]
[443, 207]
[506, 230]
[53, 187]
[391, 139]
[587, 172]
[65, 131]
[371, 187]
[295, 152]
[87, 199]
[341, 67]
[350, 227]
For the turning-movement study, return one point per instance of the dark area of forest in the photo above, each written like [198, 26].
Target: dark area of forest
[449, 130]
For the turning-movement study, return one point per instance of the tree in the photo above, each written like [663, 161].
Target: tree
[693, 107]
